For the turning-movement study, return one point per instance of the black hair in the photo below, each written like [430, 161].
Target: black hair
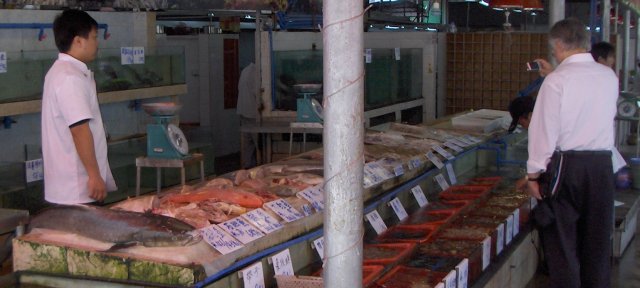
[571, 32]
[602, 50]
[521, 106]
[69, 24]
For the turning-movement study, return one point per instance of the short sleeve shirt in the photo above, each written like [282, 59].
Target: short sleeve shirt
[69, 96]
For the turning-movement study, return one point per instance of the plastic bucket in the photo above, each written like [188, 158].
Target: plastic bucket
[635, 172]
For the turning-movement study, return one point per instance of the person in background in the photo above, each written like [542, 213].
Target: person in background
[248, 111]
[74, 146]
[521, 109]
[604, 53]
[574, 113]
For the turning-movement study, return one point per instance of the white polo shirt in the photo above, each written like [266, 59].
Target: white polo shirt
[69, 95]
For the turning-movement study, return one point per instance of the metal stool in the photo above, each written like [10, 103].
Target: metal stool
[160, 163]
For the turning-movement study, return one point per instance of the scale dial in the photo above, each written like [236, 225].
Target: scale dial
[317, 107]
[177, 139]
[627, 108]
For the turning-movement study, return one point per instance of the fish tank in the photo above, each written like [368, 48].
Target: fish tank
[390, 78]
[23, 81]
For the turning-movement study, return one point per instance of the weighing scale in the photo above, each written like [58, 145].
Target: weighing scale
[165, 140]
[308, 109]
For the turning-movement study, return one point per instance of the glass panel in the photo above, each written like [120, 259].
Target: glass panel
[387, 81]
[26, 70]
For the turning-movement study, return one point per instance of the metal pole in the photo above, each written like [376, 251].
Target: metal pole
[556, 11]
[615, 23]
[593, 20]
[258, 62]
[605, 28]
[343, 74]
[626, 35]
[637, 59]
[444, 12]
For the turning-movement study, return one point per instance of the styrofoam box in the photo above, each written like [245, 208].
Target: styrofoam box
[484, 120]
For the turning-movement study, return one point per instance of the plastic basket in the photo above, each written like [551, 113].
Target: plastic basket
[399, 251]
[400, 234]
[403, 277]
[465, 192]
[369, 274]
[285, 281]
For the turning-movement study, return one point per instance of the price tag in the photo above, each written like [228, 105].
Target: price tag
[284, 210]
[34, 170]
[516, 222]
[3, 62]
[307, 210]
[440, 285]
[415, 163]
[509, 230]
[473, 139]
[397, 53]
[442, 182]
[314, 195]
[452, 174]
[434, 159]
[282, 263]
[319, 245]
[443, 152]
[253, 276]
[381, 171]
[486, 252]
[398, 208]
[374, 174]
[417, 192]
[367, 56]
[376, 221]
[457, 142]
[241, 230]
[463, 273]
[453, 147]
[126, 55]
[138, 55]
[499, 238]
[265, 222]
[220, 240]
[534, 202]
[398, 170]
[451, 280]
[465, 141]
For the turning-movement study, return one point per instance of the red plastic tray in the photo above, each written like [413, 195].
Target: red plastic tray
[391, 253]
[369, 274]
[403, 277]
[428, 218]
[486, 181]
[399, 234]
[465, 192]
[471, 250]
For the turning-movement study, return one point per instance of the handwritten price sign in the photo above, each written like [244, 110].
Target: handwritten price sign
[284, 210]
[241, 230]
[220, 240]
[262, 220]
[253, 276]
[282, 263]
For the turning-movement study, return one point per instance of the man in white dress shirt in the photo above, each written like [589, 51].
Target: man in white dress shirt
[248, 110]
[74, 146]
[574, 114]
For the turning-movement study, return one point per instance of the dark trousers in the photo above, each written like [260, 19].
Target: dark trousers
[577, 246]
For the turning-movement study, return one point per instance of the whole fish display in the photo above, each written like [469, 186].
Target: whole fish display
[123, 228]
[231, 196]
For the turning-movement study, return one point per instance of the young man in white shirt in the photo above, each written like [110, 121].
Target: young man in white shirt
[574, 114]
[74, 146]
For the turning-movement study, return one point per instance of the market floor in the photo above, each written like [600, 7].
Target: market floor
[626, 270]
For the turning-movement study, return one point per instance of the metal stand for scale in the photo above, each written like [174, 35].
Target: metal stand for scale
[160, 163]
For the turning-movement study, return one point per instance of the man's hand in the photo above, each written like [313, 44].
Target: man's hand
[534, 189]
[521, 184]
[545, 67]
[97, 188]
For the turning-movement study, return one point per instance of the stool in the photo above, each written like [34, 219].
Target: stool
[160, 163]
[306, 127]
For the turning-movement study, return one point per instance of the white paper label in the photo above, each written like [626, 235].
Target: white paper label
[440, 285]
[315, 196]
[253, 276]
[138, 55]
[374, 173]
[284, 210]
[241, 230]
[465, 141]
[282, 263]
[453, 147]
[473, 139]
[126, 55]
[367, 56]
[434, 159]
[265, 222]
[516, 222]
[398, 208]
[398, 170]
[307, 210]
[414, 163]
[451, 280]
[397, 53]
[3, 62]
[509, 233]
[319, 245]
[34, 170]
[443, 152]
[376, 222]
[463, 273]
[534, 202]
[486, 252]
[500, 238]
[442, 182]
[452, 174]
[457, 141]
[220, 240]
[420, 197]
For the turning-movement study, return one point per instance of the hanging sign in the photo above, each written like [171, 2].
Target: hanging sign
[284, 210]
[262, 220]
[398, 209]
[282, 263]
[253, 276]
[220, 240]
[376, 222]
[241, 230]
[420, 197]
